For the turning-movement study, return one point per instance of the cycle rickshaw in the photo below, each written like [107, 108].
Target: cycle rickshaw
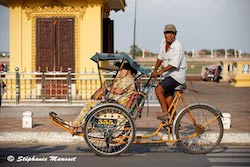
[109, 128]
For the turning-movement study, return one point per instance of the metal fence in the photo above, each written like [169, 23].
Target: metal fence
[45, 87]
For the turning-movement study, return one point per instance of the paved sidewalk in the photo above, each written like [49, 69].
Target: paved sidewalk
[221, 95]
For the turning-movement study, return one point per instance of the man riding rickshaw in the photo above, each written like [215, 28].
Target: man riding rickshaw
[107, 120]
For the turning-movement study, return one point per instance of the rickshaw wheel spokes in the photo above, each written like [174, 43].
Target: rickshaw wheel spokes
[109, 130]
[203, 135]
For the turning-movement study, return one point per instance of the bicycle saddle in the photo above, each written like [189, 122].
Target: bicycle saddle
[181, 87]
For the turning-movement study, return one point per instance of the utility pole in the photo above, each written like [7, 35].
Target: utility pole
[133, 53]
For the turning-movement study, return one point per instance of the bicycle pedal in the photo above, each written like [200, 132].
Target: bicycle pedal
[163, 119]
[166, 125]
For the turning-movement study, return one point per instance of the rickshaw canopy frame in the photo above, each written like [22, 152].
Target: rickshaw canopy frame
[110, 56]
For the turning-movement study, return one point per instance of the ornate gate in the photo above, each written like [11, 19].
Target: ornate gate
[55, 50]
[55, 44]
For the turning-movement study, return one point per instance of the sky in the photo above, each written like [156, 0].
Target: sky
[201, 24]
[4, 29]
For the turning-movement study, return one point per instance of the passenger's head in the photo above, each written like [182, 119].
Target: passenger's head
[126, 69]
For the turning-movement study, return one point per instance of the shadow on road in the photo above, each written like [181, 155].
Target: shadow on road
[32, 149]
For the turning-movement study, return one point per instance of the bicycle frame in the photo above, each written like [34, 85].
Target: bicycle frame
[172, 123]
[166, 126]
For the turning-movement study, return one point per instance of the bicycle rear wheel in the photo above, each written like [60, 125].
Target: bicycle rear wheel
[199, 129]
[109, 130]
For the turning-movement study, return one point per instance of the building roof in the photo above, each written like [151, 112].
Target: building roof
[115, 5]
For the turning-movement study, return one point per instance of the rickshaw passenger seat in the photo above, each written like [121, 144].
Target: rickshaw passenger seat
[131, 99]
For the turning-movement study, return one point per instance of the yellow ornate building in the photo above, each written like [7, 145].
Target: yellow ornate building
[54, 35]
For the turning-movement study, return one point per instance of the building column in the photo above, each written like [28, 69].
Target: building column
[15, 38]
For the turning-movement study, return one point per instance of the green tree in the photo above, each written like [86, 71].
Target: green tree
[221, 51]
[207, 51]
[189, 53]
[135, 49]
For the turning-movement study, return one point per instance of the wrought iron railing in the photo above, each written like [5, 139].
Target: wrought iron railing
[55, 86]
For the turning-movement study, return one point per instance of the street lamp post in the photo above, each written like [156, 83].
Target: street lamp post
[133, 53]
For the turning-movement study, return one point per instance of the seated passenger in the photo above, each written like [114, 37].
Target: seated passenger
[121, 90]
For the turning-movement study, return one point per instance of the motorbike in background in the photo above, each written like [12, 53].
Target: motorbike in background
[212, 73]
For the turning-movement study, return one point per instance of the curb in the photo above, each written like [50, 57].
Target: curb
[67, 138]
[236, 138]
[40, 138]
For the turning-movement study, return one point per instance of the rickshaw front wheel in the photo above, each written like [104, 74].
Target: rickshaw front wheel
[199, 129]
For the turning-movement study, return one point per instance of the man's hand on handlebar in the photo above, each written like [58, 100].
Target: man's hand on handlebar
[155, 74]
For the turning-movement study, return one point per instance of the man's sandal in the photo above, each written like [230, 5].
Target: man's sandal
[161, 116]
